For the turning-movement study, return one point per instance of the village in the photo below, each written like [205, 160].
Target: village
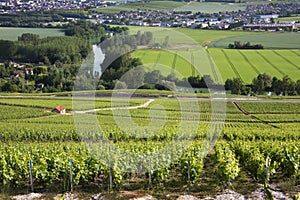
[256, 17]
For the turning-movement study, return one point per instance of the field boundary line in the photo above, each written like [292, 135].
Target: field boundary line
[157, 58]
[232, 65]
[293, 51]
[248, 61]
[252, 116]
[287, 60]
[174, 63]
[212, 67]
[270, 63]
[193, 64]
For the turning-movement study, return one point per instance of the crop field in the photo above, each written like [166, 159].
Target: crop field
[186, 36]
[165, 61]
[174, 6]
[268, 130]
[294, 18]
[279, 59]
[211, 7]
[245, 64]
[9, 33]
[275, 40]
[150, 5]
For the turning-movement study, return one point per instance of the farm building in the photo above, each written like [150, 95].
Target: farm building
[269, 27]
[60, 109]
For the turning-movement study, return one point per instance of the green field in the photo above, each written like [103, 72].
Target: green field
[174, 6]
[151, 5]
[245, 64]
[212, 7]
[50, 140]
[186, 36]
[280, 58]
[294, 18]
[9, 33]
[268, 40]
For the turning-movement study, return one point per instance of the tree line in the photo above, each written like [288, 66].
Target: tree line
[264, 83]
[247, 45]
[38, 19]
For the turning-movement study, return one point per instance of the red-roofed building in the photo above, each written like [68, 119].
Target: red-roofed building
[60, 109]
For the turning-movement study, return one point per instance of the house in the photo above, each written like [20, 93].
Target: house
[17, 73]
[60, 109]
[39, 86]
[29, 71]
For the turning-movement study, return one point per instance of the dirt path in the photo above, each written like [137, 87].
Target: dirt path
[117, 108]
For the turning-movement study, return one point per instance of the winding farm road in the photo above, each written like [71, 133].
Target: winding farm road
[146, 104]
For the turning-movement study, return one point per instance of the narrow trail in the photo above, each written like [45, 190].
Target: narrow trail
[146, 104]
[252, 116]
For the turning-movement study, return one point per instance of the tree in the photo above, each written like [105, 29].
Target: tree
[297, 87]
[152, 77]
[288, 86]
[276, 85]
[172, 77]
[134, 78]
[9, 87]
[235, 85]
[262, 83]
[8, 49]
[120, 85]
[29, 38]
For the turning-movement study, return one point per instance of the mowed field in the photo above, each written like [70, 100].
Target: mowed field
[275, 40]
[279, 58]
[212, 7]
[245, 64]
[188, 36]
[11, 33]
[195, 7]
[151, 5]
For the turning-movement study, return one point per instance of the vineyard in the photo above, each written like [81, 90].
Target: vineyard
[264, 134]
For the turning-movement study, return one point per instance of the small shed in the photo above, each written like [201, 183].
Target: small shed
[60, 109]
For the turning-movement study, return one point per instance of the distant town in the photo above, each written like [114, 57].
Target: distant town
[256, 17]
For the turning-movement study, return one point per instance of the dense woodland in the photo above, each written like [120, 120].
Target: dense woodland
[40, 18]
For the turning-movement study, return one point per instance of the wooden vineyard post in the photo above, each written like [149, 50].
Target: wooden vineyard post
[150, 178]
[228, 182]
[267, 171]
[110, 171]
[71, 176]
[189, 175]
[30, 175]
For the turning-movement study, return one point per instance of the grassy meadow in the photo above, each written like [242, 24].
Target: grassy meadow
[279, 58]
[195, 7]
[245, 64]
[12, 33]
[211, 7]
[277, 40]
[150, 5]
